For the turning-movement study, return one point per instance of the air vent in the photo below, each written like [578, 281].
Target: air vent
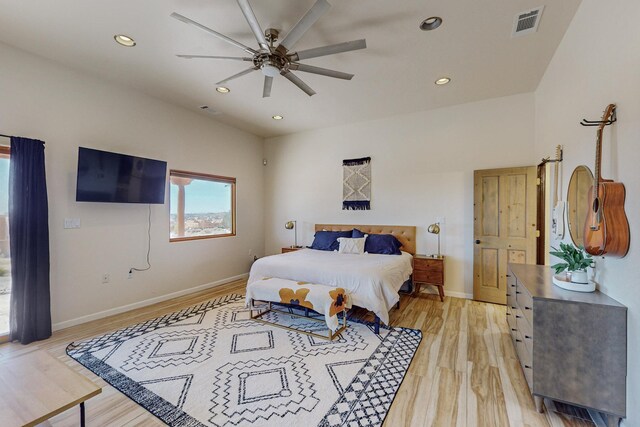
[527, 22]
[210, 110]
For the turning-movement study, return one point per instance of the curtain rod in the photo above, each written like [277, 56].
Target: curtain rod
[9, 136]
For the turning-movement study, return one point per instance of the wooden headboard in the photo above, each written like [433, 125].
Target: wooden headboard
[406, 234]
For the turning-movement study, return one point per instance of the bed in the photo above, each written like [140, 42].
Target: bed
[372, 280]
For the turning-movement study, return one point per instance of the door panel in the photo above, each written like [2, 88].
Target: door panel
[490, 267]
[504, 227]
[516, 205]
[490, 205]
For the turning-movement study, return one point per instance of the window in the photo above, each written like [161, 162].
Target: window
[201, 206]
[5, 260]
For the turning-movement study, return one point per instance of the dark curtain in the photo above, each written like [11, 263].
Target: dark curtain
[30, 315]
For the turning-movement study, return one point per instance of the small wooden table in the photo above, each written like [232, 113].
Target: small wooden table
[37, 386]
[291, 249]
[428, 270]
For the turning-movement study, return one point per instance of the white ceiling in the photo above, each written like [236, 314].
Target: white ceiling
[394, 75]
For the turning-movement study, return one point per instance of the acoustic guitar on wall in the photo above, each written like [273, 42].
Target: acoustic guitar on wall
[606, 229]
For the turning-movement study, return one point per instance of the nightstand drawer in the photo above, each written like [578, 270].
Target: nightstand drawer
[428, 276]
[423, 264]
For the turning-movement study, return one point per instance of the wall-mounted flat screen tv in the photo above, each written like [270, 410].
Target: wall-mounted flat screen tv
[119, 178]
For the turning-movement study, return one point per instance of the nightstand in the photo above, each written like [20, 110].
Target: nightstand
[291, 249]
[428, 271]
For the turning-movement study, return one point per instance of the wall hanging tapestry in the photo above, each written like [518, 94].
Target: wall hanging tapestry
[356, 184]
[211, 365]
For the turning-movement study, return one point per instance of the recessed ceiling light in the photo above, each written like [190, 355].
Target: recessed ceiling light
[277, 117]
[123, 40]
[223, 89]
[431, 23]
[442, 81]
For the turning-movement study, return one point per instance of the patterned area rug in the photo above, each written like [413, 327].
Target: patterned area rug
[210, 365]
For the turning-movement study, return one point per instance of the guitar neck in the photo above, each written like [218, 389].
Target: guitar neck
[597, 176]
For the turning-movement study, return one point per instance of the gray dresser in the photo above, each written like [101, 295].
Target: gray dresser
[572, 346]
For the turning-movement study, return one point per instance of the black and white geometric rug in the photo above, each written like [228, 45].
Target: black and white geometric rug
[210, 365]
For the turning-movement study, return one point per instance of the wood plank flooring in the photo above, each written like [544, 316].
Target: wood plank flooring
[465, 372]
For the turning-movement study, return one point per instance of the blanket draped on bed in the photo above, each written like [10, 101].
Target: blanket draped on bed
[356, 184]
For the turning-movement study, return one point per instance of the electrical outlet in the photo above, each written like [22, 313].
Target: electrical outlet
[106, 278]
[71, 223]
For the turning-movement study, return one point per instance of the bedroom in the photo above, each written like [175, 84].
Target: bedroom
[94, 93]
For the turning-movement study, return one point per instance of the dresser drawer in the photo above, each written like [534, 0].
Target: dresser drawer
[428, 276]
[525, 303]
[426, 264]
[511, 319]
[525, 359]
[526, 331]
[511, 297]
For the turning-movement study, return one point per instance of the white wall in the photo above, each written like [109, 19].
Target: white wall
[422, 168]
[597, 63]
[43, 100]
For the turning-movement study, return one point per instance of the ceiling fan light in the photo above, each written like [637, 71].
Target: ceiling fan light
[124, 40]
[269, 70]
[277, 117]
[442, 81]
[431, 23]
[222, 89]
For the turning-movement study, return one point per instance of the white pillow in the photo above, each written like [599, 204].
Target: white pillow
[352, 245]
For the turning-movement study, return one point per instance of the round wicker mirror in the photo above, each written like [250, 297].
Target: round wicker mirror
[578, 203]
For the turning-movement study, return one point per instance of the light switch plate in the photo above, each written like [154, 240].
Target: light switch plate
[441, 220]
[72, 223]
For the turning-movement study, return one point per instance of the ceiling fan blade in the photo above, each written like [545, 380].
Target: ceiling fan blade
[329, 50]
[266, 91]
[317, 10]
[322, 71]
[213, 33]
[253, 23]
[235, 76]
[296, 81]
[237, 58]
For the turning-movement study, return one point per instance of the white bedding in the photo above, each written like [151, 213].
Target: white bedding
[372, 280]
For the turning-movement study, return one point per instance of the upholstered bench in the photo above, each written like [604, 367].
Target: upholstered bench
[322, 299]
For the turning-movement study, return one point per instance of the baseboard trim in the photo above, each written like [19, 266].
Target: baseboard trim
[144, 303]
[458, 294]
[448, 293]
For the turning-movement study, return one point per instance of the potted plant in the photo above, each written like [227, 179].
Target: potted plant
[576, 261]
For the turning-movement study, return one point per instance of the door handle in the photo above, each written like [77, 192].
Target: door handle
[477, 242]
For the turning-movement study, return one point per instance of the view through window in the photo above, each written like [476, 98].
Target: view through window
[5, 260]
[201, 206]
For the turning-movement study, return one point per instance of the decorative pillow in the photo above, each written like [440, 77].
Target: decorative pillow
[356, 234]
[352, 246]
[328, 240]
[385, 244]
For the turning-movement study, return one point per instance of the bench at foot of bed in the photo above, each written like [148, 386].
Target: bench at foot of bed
[321, 299]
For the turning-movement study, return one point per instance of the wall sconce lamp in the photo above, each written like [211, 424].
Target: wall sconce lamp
[293, 225]
[435, 229]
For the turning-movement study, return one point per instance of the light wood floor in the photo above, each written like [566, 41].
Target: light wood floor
[465, 372]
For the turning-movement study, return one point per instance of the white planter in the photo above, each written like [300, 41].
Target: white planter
[578, 276]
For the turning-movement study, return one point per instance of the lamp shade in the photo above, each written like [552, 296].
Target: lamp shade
[434, 228]
[292, 225]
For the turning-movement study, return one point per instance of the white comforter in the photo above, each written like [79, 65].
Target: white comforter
[372, 280]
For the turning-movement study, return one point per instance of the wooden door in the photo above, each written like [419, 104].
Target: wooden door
[504, 227]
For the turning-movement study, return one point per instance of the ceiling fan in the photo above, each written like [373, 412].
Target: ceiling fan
[279, 60]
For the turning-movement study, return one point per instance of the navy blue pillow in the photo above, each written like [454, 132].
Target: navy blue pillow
[357, 234]
[328, 240]
[385, 244]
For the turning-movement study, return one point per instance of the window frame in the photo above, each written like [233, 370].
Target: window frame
[5, 152]
[205, 177]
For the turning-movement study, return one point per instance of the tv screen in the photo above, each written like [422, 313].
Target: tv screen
[118, 178]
